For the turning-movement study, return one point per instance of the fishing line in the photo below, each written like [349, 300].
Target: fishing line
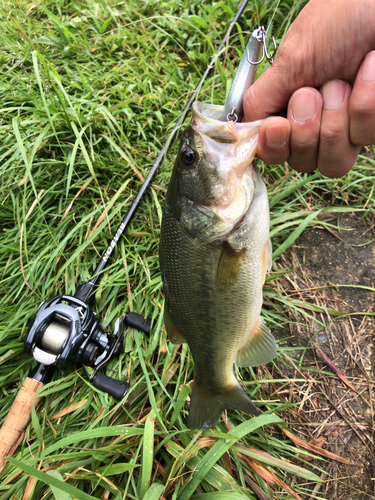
[273, 15]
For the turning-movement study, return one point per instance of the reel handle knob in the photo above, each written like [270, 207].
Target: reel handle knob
[137, 321]
[116, 388]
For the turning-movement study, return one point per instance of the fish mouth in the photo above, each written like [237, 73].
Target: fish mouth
[206, 117]
[235, 144]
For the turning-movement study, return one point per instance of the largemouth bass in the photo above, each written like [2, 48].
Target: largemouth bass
[215, 251]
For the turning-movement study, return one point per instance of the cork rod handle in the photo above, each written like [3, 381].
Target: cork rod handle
[19, 416]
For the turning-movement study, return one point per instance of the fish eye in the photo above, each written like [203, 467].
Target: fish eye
[189, 157]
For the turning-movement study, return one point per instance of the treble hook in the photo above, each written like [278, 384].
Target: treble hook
[261, 37]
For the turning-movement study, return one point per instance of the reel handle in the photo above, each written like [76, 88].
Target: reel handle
[19, 416]
[137, 321]
[116, 388]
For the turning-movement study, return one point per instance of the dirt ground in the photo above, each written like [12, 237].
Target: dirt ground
[331, 414]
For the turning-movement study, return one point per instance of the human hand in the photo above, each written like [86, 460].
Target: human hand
[329, 47]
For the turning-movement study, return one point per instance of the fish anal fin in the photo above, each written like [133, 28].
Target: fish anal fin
[229, 268]
[173, 333]
[207, 405]
[260, 348]
[266, 259]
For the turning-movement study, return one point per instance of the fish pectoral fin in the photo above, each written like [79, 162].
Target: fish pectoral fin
[173, 333]
[207, 405]
[237, 239]
[266, 259]
[229, 268]
[269, 246]
[260, 348]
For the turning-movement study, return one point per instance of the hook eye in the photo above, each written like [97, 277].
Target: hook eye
[232, 116]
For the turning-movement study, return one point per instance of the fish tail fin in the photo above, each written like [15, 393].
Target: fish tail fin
[207, 405]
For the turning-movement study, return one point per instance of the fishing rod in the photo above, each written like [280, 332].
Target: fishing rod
[66, 330]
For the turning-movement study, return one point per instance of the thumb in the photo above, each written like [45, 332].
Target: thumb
[268, 95]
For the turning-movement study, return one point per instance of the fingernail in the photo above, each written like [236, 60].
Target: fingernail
[333, 93]
[303, 105]
[276, 136]
[367, 71]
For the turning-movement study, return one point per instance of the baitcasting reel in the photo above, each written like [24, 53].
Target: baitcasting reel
[66, 330]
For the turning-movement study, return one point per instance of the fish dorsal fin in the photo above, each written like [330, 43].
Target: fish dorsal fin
[266, 259]
[173, 333]
[260, 348]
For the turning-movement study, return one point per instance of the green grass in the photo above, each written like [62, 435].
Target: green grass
[89, 92]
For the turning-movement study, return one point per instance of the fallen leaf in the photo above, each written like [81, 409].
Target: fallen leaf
[334, 431]
[316, 449]
[335, 369]
[69, 409]
[320, 441]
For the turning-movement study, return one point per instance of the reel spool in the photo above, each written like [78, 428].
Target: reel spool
[54, 337]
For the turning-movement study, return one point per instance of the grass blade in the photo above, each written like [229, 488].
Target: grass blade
[92, 434]
[213, 455]
[147, 454]
[154, 492]
[57, 492]
[297, 232]
[275, 462]
[219, 495]
[51, 481]
[334, 368]
[316, 449]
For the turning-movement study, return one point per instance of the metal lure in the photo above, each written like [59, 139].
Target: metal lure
[245, 74]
